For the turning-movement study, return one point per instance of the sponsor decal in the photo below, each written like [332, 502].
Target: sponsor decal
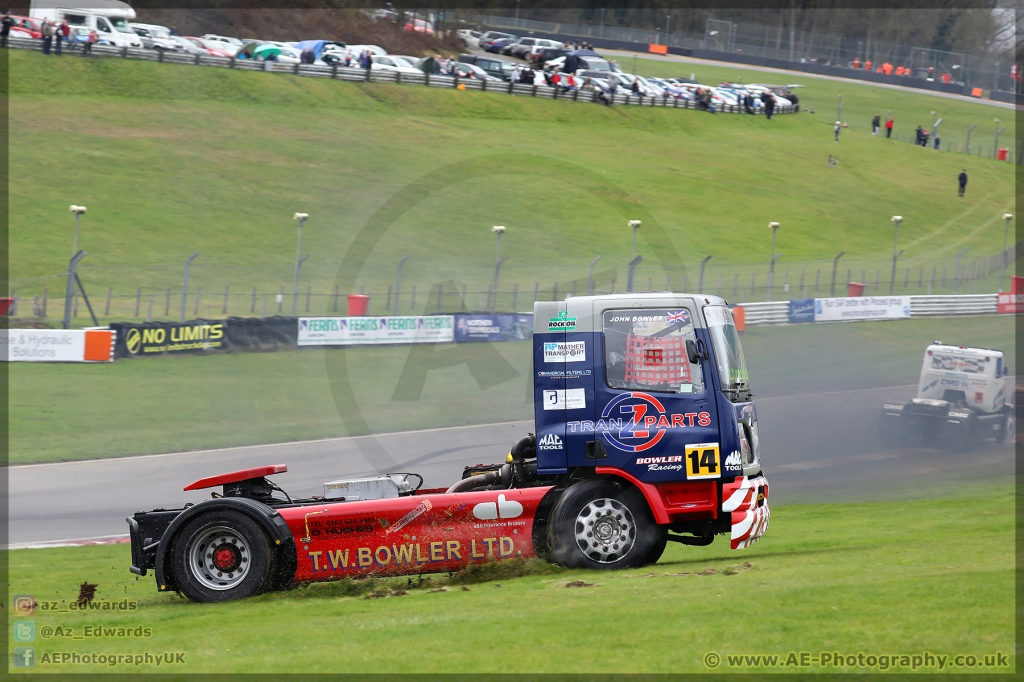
[422, 508]
[502, 509]
[561, 322]
[174, 338]
[801, 310]
[734, 460]
[979, 397]
[568, 399]
[566, 374]
[702, 461]
[954, 363]
[959, 415]
[550, 442]
[412, 554]
[667, 463]
[718, 316]
[637, 421]
[571, 351]
[888, 406]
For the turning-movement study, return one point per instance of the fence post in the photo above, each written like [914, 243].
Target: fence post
[336, 287]
[43, 308]
[252, 309]
[309, 290]
[515, 294]
[196, 309]
[138, 301]
[463, 296]
[106, 308]
[167, 304]
[536, 291]
[224, 311]
[412, 304]
[149, 313]
[264, 313]
[387, 305]
[554, 293]
[490, 290]
[280, 303]
[849, 272]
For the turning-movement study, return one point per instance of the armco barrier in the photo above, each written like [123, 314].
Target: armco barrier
[777, 312]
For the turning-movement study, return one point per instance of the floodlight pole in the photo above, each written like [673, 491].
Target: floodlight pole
[835, 264]
[301, 217]
[590, 276]
[78, 211]
[70, 291]
[895, 242]
[184, 287]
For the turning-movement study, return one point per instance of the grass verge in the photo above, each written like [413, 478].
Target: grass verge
[880, 578]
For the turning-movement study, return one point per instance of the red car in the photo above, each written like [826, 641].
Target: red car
[31, 26]
[208, 46]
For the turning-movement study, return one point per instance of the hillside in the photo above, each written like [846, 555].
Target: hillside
[175, 159]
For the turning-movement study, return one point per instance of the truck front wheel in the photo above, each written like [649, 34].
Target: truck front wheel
[220, 556]
[599, 524]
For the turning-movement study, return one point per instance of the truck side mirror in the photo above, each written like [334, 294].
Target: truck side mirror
[692, 354]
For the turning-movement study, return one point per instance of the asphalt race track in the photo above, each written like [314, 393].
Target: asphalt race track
[814, 447]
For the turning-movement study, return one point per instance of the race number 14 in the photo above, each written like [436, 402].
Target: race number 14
[702, 461]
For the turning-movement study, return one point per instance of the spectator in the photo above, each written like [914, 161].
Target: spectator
[87, 47]
[516, 73]
[876, 124]
[5, 30]
[769, 104]
[794, 100]
[937, 144]
[748, 103]
[836, 129]
[47, 31]
[918, 135]
[888, 127]
[63, 31]
[963, 181]
[173, 31]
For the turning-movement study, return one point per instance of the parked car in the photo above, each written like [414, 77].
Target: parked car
[224, 42]
[465, 70]
[187, 46]
[155, 37]
[392, 63]
[496, 68]
[496, 45]
[469, 37]
[495, 35]
[539, 56]
[419, 26]
[524, 46]
[212, 48]
[30, 25]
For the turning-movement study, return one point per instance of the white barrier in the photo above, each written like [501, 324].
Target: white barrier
[57, 345]
[777, 312]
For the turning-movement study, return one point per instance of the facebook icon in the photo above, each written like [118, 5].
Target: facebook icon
[24, 657]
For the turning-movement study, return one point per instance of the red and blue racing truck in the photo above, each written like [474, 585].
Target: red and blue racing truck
[646, 433]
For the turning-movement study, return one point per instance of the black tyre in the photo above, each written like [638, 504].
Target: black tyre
[658, 548]
[599, 524]
[220, 556]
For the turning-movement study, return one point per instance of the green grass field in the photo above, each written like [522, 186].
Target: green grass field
[174, 159]
[174, 403]
[882, 578]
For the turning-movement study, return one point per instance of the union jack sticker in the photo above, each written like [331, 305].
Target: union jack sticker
[677, 316]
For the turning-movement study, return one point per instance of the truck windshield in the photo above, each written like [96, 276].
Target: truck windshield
[732, 368]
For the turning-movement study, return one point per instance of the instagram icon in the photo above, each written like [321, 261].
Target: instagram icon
[24, 604]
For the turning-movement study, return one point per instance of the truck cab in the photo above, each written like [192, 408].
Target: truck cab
[651, 390]
[961, 400]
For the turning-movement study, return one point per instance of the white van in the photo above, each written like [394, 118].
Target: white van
[109, 18]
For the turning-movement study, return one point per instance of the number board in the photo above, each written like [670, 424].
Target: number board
[703, 461]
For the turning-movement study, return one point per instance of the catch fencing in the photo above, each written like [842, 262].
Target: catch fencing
[357, 75]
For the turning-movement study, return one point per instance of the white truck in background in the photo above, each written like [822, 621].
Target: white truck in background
[108, 18]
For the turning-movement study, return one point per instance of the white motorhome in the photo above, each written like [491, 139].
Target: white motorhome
[108, 18]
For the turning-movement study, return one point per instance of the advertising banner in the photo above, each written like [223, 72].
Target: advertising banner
[483, 327]
[801, 310]
[345, 331]
[57, 345]
[1010, 303]
[159, 338]
[861, 308]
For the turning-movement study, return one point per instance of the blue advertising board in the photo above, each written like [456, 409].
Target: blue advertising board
[801, 310]
[483, 327]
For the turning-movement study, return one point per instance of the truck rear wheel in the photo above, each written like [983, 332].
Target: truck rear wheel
[599, 524]
[220, 556]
